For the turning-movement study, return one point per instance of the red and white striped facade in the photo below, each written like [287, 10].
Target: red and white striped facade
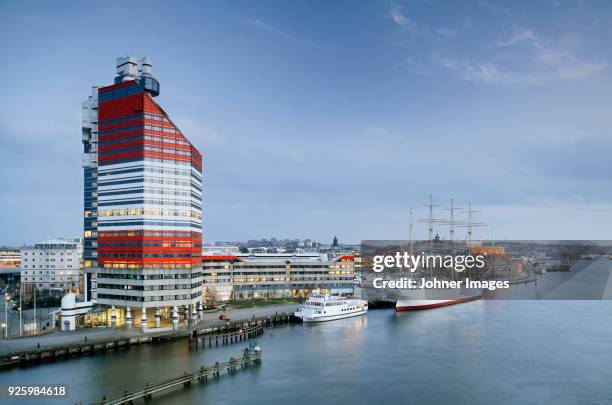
[149, 199]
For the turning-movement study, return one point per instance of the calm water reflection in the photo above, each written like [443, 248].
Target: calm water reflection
[480, 352]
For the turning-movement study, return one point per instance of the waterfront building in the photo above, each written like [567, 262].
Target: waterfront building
[10, 258]
[143, 200]
[277, 275]
[10, 263]
[51, 267]
[273, 243]
[497, 261]
[221, 250]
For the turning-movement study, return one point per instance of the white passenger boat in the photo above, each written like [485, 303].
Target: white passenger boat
[326, 307]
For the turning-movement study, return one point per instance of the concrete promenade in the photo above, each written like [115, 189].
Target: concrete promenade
[212, 318]
[58, 338]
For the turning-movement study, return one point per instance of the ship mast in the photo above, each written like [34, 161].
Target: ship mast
[471, 224]
[411, 233]
[430, 221]
[452, 222]
[469, 233]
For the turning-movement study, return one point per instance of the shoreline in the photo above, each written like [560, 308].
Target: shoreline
[63, 344]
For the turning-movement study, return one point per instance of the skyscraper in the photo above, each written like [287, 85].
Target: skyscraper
[143, 199]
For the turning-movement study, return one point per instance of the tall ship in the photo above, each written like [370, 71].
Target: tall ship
[423, 298]
[320, 307]
[419, 298]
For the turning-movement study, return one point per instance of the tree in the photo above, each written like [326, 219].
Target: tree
[210, 296]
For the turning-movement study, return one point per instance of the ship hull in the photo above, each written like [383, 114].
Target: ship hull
[416, 305]
[326, 318]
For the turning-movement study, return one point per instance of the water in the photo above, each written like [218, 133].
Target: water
[483, 352]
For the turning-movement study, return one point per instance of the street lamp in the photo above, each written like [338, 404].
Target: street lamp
[7, 299]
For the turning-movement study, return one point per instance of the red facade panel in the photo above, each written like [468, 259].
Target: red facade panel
[126, 134]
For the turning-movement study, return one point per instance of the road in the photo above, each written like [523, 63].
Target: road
[12, 321]
[28, 317]
[246, 313]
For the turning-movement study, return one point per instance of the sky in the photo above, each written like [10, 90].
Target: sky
[325, 118]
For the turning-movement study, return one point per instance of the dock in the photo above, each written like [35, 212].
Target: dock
[204, 336]
[204, 339]
[249, 357]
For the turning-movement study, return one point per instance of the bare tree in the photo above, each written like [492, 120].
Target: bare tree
[210, 296]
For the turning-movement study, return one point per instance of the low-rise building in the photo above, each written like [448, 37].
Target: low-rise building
[52, 266]
[9, 258]
[274, 275]
[497, 261]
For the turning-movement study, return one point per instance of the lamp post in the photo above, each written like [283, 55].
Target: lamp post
[20, 312]
[7, 299]
[35, 318]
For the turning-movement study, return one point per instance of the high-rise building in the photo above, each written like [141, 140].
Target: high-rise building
[143, 198]
[90, 178]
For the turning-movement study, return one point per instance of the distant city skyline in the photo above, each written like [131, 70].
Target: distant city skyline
[322, 119]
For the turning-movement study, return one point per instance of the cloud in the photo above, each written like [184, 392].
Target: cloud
[264, 26]
[518, 35]
[541, 62]
[396, 14]
[579, 70]
[495, 8]
[483, 72]
[272, 30]
[490, 73]
[413, 66]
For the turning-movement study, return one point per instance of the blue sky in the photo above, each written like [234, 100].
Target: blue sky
[327, 118]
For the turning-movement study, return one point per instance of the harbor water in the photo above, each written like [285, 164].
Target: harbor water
[481, 352]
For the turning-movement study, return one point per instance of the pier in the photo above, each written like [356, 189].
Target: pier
[250, 357]
[216, 339]
[204, 336]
